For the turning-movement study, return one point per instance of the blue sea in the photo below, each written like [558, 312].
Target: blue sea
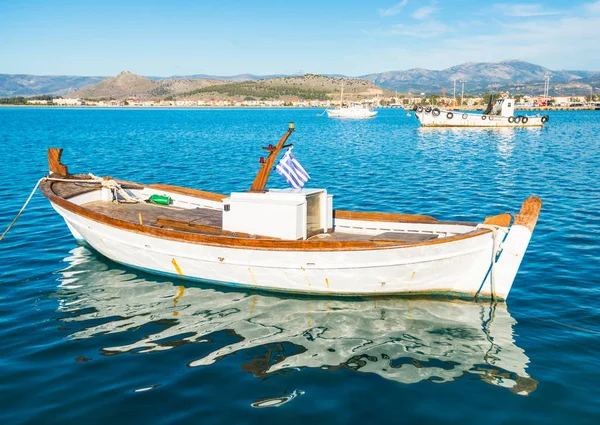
[87, 341]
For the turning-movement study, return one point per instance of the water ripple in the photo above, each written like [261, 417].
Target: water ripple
[98, 342]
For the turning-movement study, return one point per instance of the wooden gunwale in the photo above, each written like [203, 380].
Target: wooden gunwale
[377, 216]
[188, 192]
[238, 242]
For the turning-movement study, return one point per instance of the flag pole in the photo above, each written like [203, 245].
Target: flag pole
[260, 181]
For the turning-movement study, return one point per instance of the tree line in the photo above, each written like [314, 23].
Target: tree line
[20, 100]
[260, 91]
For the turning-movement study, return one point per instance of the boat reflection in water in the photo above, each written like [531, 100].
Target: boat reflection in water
[404, 340]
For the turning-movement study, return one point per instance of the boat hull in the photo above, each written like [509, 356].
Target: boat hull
[352, 114]
[460, 268]
[461, 119]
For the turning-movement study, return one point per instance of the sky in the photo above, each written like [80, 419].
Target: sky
[174, 37]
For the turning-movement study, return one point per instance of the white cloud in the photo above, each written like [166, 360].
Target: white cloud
[593, 8]
[394, 10]
[553, 41]
[523, 10]
[424, 12]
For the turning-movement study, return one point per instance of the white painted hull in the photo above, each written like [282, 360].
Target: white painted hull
[356, 113]
[458, 268]
[463, 119]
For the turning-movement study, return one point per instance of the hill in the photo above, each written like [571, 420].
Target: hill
[309, 86]
[128, 85]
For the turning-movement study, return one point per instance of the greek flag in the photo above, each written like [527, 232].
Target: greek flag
[290, 169]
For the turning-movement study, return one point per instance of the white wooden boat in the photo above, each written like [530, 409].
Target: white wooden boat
[456, 339]
[289, 240]
[356, 110]
[501, 114]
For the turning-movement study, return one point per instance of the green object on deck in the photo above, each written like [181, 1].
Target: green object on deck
[160, 199]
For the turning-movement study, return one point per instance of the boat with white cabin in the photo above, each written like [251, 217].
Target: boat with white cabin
[355, 110]
[289, 240]
[498, 114]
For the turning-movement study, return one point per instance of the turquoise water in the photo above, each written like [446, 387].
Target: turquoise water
[85, 340]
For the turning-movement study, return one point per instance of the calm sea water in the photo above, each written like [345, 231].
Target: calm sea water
[84, 340]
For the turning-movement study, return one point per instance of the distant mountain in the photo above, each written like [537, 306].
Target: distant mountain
[30, 85]
[513, 75]
[129, 85]
[479, 76]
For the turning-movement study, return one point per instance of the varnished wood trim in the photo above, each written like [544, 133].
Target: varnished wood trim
[377, 216]
[260, 181]
[229, 242]
[130, 185]
[530, 211]
[502, 220]
[189, 192]
[54, 164]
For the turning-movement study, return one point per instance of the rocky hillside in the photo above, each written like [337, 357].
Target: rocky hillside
[128, 85]
[307, 87]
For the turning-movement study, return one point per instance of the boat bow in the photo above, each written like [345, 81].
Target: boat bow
[512, 249]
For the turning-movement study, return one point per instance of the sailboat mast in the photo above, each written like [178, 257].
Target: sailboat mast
[342, 95]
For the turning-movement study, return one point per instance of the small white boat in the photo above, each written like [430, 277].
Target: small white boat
[500, 114]
[356, 110]
[288, 240]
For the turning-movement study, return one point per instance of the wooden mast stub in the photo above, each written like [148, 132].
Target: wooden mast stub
[260, 181]
[54, 164]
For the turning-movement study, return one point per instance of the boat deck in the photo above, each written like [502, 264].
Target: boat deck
[151, 214]
[209, 222]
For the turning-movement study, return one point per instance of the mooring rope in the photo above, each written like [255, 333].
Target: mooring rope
[22, 208]
[324, 112]
[495, 250]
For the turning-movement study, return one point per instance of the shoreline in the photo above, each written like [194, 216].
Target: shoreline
[407, 108]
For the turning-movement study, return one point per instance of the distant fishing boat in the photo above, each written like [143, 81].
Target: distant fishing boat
[289, 240]
[356, 110]
[500, 114]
